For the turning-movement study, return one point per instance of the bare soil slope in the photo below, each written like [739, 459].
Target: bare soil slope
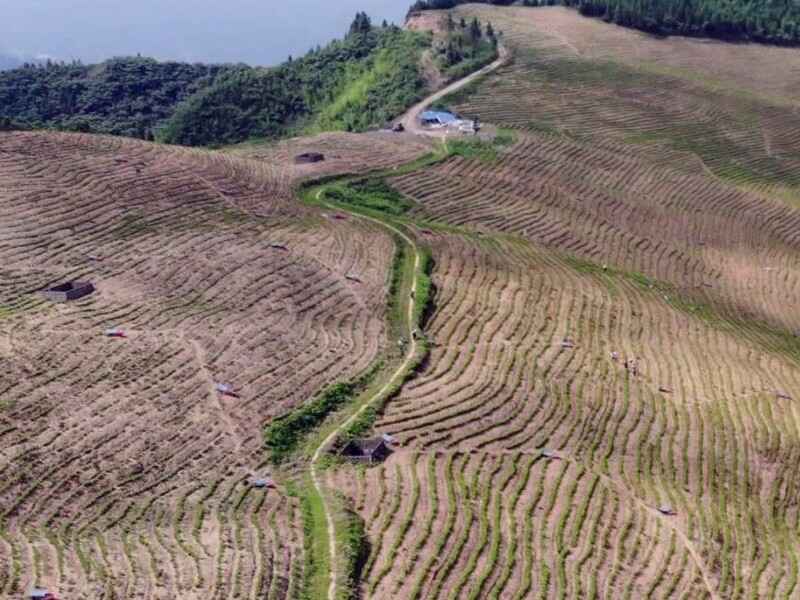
[620, 287]
[123, 472]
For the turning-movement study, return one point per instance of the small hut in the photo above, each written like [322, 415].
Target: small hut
[308, 158]
[263, 482]
[366, 451]
[71, 290]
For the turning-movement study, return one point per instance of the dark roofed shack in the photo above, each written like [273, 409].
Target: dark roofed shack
[367, 451]
[71, 290]
[308, 158]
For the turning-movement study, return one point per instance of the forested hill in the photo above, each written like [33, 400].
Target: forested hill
[770, 21]
[122, 96]
[352, 84]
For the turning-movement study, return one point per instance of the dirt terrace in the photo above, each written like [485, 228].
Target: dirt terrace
[123, 473]
[700, 427]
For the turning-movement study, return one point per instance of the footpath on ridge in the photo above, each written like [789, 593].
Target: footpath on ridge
[410, 121]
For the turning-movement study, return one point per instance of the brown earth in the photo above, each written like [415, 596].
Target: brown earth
[123, 473]
[648, 210]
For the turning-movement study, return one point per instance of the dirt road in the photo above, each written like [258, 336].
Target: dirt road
[410, 120]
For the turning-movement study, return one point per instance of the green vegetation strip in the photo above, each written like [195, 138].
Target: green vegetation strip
[371, 197]
[284, 435]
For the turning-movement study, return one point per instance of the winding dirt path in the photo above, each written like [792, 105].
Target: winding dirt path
[398, 374]
[410, 120]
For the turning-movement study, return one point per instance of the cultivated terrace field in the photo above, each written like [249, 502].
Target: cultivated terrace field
[618, 287]
[123, 472]
[601, 400]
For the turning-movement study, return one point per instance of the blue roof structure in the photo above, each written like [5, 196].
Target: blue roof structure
[442, 117]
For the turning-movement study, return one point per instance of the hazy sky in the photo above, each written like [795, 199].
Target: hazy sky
[252, 31]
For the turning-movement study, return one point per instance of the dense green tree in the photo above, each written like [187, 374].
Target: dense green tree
[475, 31]
[123, 96]
[361, 25]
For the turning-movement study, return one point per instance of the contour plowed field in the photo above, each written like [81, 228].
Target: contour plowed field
[603, 201]
[468, 508]
[123, 473]
[343, 152]
[733, 107]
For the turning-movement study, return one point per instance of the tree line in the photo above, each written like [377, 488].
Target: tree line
[355, 83]
[466, 46]
[129, 96]
[767, 21]
[352, 84]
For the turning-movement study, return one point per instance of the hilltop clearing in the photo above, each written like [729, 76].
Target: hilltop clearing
[775, 22]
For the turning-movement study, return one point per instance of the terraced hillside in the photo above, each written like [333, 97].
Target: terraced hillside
[608, 406]
[619, 287]
[730, 106]
[123, 472]
[646, 405]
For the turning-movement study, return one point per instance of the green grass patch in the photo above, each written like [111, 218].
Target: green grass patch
[284, 435]
[316, 553]
[505, 138]
[372, 194]
[353, 543]
[473, 148]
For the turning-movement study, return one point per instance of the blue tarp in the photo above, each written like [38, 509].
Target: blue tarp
[441, 116]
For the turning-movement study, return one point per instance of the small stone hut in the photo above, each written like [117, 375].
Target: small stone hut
[308, 158]
[71, 290]
[367, 451]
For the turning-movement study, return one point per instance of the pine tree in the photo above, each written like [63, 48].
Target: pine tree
[475, 30]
